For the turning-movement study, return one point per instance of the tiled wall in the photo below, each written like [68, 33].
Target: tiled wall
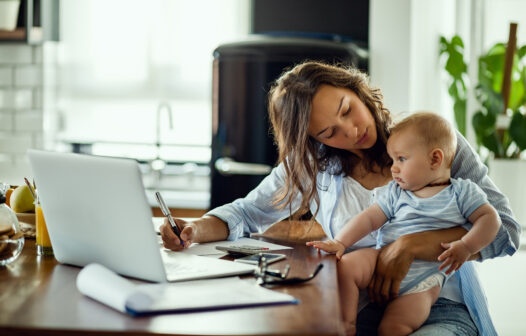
[24, 98]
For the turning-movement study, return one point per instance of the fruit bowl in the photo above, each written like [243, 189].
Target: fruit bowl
[11, 238]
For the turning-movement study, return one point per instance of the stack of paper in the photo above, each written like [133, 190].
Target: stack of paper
[102, 284]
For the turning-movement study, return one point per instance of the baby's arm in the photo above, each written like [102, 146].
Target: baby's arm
[366, 221]
[486, 224]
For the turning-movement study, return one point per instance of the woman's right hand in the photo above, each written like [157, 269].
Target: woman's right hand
[170, 240]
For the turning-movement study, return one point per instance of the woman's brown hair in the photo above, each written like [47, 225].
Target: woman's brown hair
[290, 103]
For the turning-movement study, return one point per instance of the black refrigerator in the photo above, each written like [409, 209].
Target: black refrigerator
[243, 150]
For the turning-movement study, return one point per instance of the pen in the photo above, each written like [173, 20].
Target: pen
[166, 212]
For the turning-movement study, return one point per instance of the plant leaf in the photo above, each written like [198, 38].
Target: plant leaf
[491, 142]
[455, 65]
[517, 130]
[491, 100]
[516, 94]
[460, 115]
[484, 124]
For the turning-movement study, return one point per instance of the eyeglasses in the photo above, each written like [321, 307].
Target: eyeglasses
[266, 276]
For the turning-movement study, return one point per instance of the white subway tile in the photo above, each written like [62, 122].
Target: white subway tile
[15, 143]
[38, 54]
[38, 140]
[6, 121]
[13, 173]
[6, 158]
[6, 76]
[38, 101]
[50, 77]
[50, 53]
[21, 159]
[6, 99]
[23, 99]
[28, 121]
[15, 54]
[29, 75]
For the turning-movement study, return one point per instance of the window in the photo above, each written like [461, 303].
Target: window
[122, 61]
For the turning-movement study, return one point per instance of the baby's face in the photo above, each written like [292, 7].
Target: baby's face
[411, 167]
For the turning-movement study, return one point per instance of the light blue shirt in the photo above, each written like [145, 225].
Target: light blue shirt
[407, 213]
[255, 213]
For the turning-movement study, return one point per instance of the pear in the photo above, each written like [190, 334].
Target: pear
[21, 199]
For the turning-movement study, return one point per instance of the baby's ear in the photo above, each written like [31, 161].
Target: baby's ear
[437, 157]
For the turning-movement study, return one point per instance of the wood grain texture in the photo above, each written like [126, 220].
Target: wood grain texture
[39, 297]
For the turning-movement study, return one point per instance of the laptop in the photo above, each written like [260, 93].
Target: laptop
[96, 211]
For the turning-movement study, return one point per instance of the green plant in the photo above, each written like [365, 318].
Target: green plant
[504, 134]
[457, 69]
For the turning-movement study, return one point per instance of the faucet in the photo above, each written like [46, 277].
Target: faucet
[157, 165]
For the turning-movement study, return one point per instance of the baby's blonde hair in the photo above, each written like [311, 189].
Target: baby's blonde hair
[435, 132]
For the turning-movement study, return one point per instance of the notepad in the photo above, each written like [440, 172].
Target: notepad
[109, 288]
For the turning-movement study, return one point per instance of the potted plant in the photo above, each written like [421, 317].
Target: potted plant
[499, 122]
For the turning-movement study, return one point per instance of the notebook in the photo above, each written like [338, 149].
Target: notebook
[96, 211]
[103, 285]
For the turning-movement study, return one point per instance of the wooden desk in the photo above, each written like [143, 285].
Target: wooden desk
[39, 297]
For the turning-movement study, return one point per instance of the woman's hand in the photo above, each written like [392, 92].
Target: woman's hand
[392, 265]
[170, 240]
[200, 230]
[331, 246]
[395, 259]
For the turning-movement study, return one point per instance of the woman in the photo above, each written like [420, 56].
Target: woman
[331, 129]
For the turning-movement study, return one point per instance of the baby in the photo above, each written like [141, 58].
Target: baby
[421, 197]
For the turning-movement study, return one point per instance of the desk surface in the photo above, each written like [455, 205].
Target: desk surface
[39, 296]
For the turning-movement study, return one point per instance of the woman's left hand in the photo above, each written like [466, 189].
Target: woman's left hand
[392, 265]
[395, 259]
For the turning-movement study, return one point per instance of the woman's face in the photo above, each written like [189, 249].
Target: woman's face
[341, 120]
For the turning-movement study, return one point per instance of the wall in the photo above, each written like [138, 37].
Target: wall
[26, 95]
[404, 62]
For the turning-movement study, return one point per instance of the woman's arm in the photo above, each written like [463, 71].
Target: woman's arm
[486, 224]
[254, 213]
[395, 259]
[467, 165]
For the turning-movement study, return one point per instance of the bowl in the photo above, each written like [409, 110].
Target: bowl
[11, 236]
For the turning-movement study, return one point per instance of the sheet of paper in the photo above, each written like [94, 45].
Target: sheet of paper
[104, 285]
[199, 295]
[109, 288]
[209, 249]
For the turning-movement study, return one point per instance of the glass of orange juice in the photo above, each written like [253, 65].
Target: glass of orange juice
[43, 242]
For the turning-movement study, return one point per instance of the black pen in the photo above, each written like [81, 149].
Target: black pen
[166, 212]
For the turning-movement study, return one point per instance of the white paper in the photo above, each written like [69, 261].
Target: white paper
[107, 287]
[101, 284]
[209, 249]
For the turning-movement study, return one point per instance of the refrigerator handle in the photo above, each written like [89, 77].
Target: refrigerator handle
[227, 166]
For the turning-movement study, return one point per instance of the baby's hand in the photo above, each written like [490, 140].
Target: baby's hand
[455, 255]
[331, 246]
